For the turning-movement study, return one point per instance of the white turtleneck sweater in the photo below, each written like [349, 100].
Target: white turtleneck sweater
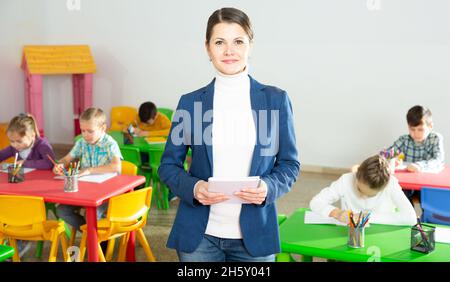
[233, 141]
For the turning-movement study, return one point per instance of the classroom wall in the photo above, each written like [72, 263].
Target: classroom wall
[351, 72]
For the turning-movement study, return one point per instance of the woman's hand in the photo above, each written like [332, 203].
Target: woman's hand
[207, 198]
[254, 195]
[340, 215]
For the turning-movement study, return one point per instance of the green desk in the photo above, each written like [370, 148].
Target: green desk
[144, 146]
[6, 252]
[385, 243]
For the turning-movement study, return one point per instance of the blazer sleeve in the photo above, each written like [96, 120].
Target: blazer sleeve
[287, 166]
[171, 169]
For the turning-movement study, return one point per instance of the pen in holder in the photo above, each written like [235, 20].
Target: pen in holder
[71, 183]
[422, 238]
[356, 229]
[16, 174]
[355, 237]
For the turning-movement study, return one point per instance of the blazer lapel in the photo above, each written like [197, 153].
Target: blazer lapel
[207, 104]
[258, 103]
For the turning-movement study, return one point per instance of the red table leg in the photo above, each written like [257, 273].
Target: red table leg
[92, 244]
[131, 255]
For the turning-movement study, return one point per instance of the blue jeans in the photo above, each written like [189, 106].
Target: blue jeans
[71, 214]
[213, 249]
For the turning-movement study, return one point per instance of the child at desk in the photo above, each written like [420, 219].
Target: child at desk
[423, 148]
[97, 152]
[150, 122]
[371, 189]
[31, 150]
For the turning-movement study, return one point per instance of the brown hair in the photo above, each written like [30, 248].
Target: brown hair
[417, 115]
[94, 114]
[229, 15]
[23, 124]
[374, 172]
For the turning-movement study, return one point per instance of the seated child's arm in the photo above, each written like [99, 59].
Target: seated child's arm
[404, 214]
[43, 162]
[62, 163]
[323, 202]
[438, 156]
[6, 153]
[114, 166]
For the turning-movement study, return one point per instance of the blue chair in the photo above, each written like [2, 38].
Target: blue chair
[435, 205]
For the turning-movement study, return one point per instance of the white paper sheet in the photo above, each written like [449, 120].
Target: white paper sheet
[229, 186]
[404, 166]
[95, 178]
[25, 170]
[315, 218]
[442, 235]
[156, 142]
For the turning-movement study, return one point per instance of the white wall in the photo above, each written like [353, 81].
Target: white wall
[351, 73]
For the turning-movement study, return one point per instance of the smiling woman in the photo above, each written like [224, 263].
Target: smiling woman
[233, 146]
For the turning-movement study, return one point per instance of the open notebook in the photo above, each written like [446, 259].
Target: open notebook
[155, 140]
[25, 170]
[95, 178]
[315, 218]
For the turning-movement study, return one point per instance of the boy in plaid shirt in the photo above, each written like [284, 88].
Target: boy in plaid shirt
[423, 148]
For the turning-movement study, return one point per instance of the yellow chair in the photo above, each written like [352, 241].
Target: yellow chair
[25, 218]
[129, 168]
[121, 117]
[4, 141]
[127, 212]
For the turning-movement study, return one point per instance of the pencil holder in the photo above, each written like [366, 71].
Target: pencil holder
[422, 238]
[71, 183]
[15, 175]
[355, 237]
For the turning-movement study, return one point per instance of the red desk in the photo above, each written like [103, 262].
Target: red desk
[90, 195]
[416, 180]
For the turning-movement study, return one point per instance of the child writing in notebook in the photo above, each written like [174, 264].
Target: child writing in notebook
[97, 152]
[31, 150]
[370, 189]
[423, 148]
[150, 122]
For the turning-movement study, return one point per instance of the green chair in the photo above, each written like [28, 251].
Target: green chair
[133, 155]
[161, 191]
[76, 138]
[6, 252]
[167, 112]
[118, 136]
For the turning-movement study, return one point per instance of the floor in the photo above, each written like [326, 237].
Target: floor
[160, 222]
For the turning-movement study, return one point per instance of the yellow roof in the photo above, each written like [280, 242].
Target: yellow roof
[54, 59]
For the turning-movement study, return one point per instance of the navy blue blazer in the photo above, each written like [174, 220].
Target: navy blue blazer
[275, 161]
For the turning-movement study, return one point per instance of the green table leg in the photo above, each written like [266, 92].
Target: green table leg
[307, 258]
